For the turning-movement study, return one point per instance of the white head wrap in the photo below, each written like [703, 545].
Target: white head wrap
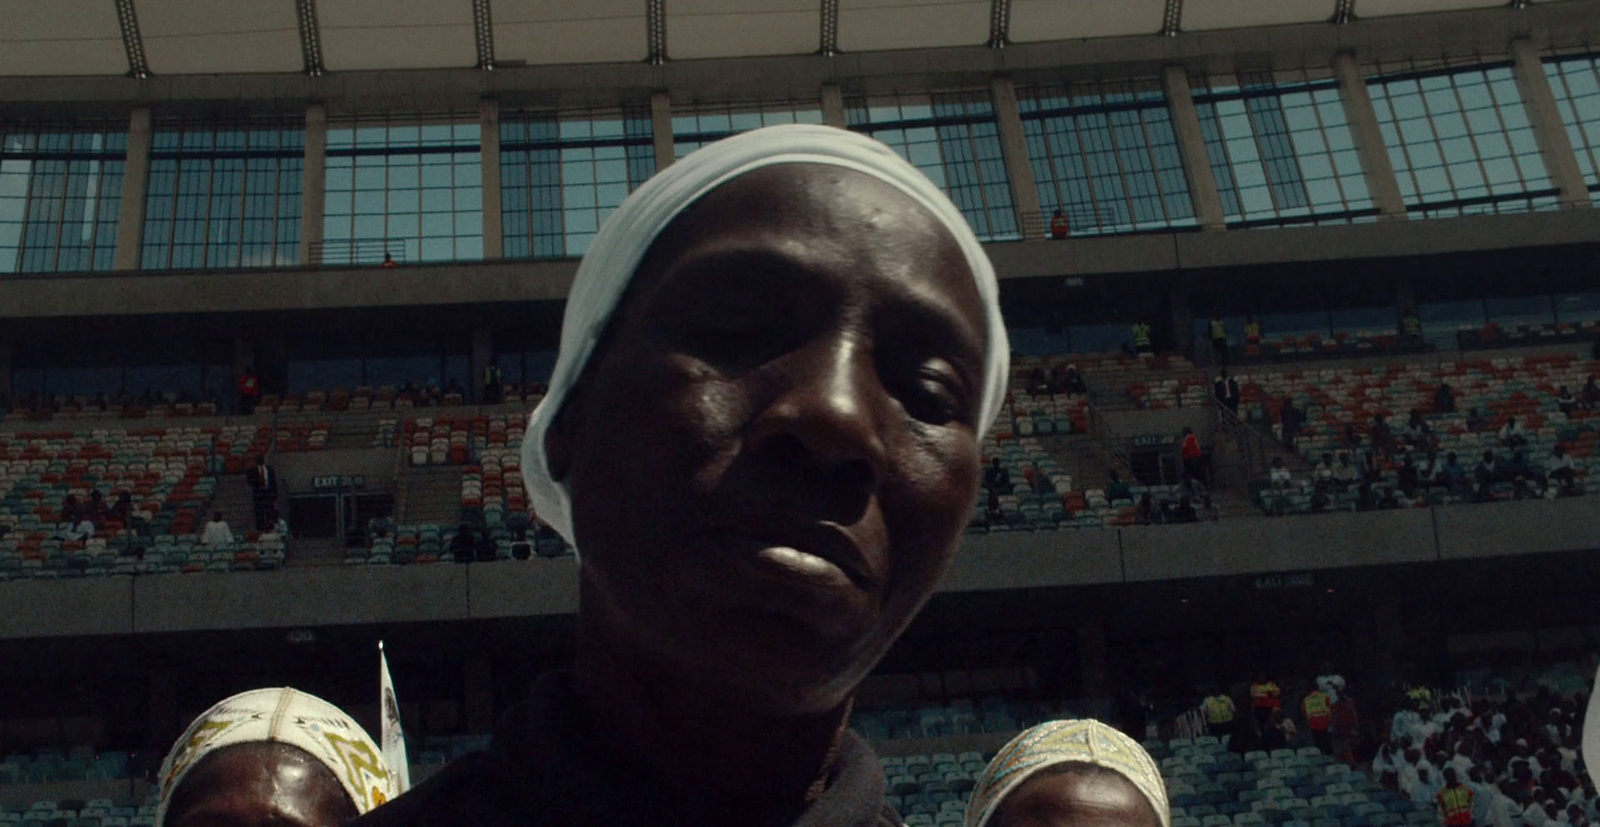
[285, 716]
[1061, 742]
[620, 246]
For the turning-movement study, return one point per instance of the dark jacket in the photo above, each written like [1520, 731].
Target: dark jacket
[548, 766]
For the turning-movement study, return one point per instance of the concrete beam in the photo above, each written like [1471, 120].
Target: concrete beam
[1555, 146]
[1358, 112]
[1014, 150]
[1192, 148]
[833, 106]
[135, 185]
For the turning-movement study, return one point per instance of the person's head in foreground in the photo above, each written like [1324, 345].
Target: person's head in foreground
[1081, 773]
[762, 437]
[274, 757]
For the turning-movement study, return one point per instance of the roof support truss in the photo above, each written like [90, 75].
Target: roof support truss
[1172, 18]
[483, 31]
[999, 23]
[310, 37]
[128, 19]
[829, 44]
[656, 21]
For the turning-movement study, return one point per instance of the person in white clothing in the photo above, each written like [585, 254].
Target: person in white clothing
[216, 533]
[1279, 475]
[1331, 685]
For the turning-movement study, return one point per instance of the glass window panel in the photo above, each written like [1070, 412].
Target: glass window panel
[1575, 82]
[569, 165]
[1453, 146]
[60, 191]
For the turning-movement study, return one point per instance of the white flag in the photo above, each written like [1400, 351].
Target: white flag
[394, 739]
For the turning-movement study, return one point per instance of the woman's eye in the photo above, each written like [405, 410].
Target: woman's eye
[934, 397]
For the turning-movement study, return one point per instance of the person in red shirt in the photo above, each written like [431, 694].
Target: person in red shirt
[1189, 451]
[1059, 226]
[1319, 719]
[249, 388]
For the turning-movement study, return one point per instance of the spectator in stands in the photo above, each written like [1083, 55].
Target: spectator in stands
[95, 511]
[280, 526]
[1526, 480]
[1488, 472]
[463, 544]
[1070, 772]
[1038, 384]
[1219, 339]
[1350, 440]
[1454, 801]
[1382, 438]
[1279, 475]
[1410, 325]
[1346, 728]
[1226, 391]
[71, 510]
[79, 531]
[272, 756]
[715, 687]
[1072, 383]
[1141, 338]
[1117, 489]
[1418, 433]
[122, 510]
[216, 534]
[263, 481]
[993, 513]
[1346, 472]
[1409, 479]
[247, 391]
[1324, 473]
[1560, 470]
[388, 262]
[1189, 452]
[1145, 512]
[1566, 402]
[1371, 468]
[1290, 419]
[1059, 226]
[1590, 395]
[996, 478]
[1444, 399]
[1513, 435]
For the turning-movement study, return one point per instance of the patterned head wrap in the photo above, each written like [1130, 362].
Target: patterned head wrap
[620, 246]
[285, 716]
[1062, 742]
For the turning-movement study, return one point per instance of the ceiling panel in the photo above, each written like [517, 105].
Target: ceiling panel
[1226, 14]
[396, 34]
[1036, 20]
[868, 25]
[594, 31]
[717, 28]
[232, 36]
[1380, 8]
[60, 37]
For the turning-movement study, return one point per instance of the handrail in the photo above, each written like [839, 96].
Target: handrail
[1252, 444]
[358, 250]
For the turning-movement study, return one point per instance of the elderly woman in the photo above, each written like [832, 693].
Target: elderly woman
[762, 437]
[272, 758]
[1070, 773]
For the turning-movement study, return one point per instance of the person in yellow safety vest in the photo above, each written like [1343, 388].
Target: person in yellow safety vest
[1252, 330]
[1454, 801]
[1219, 711]
[1219, 339]
[1141, 338]
[1319, 719]
[493, 390]
[1264, 700]
[1411, 323]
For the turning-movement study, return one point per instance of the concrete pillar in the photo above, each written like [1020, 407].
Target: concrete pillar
[482, 354]
[489, 117]
[1560, 161]
[1382, 184]
[661, 129]
[1094, 662]
[833, 106]
[478, 683]
[313, 188]
[1014, 150]
[1192, 148]
[5, 370]
[135, 185]
[1182, 319]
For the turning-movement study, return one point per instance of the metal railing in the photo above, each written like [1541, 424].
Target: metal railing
[356, 251]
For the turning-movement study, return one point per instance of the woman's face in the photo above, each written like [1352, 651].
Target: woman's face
[1075, 798]
[773, 457]
[259, 785]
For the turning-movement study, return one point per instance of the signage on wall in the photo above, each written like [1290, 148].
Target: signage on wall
[334, 481]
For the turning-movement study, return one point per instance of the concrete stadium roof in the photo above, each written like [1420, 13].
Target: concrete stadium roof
[240, 37]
